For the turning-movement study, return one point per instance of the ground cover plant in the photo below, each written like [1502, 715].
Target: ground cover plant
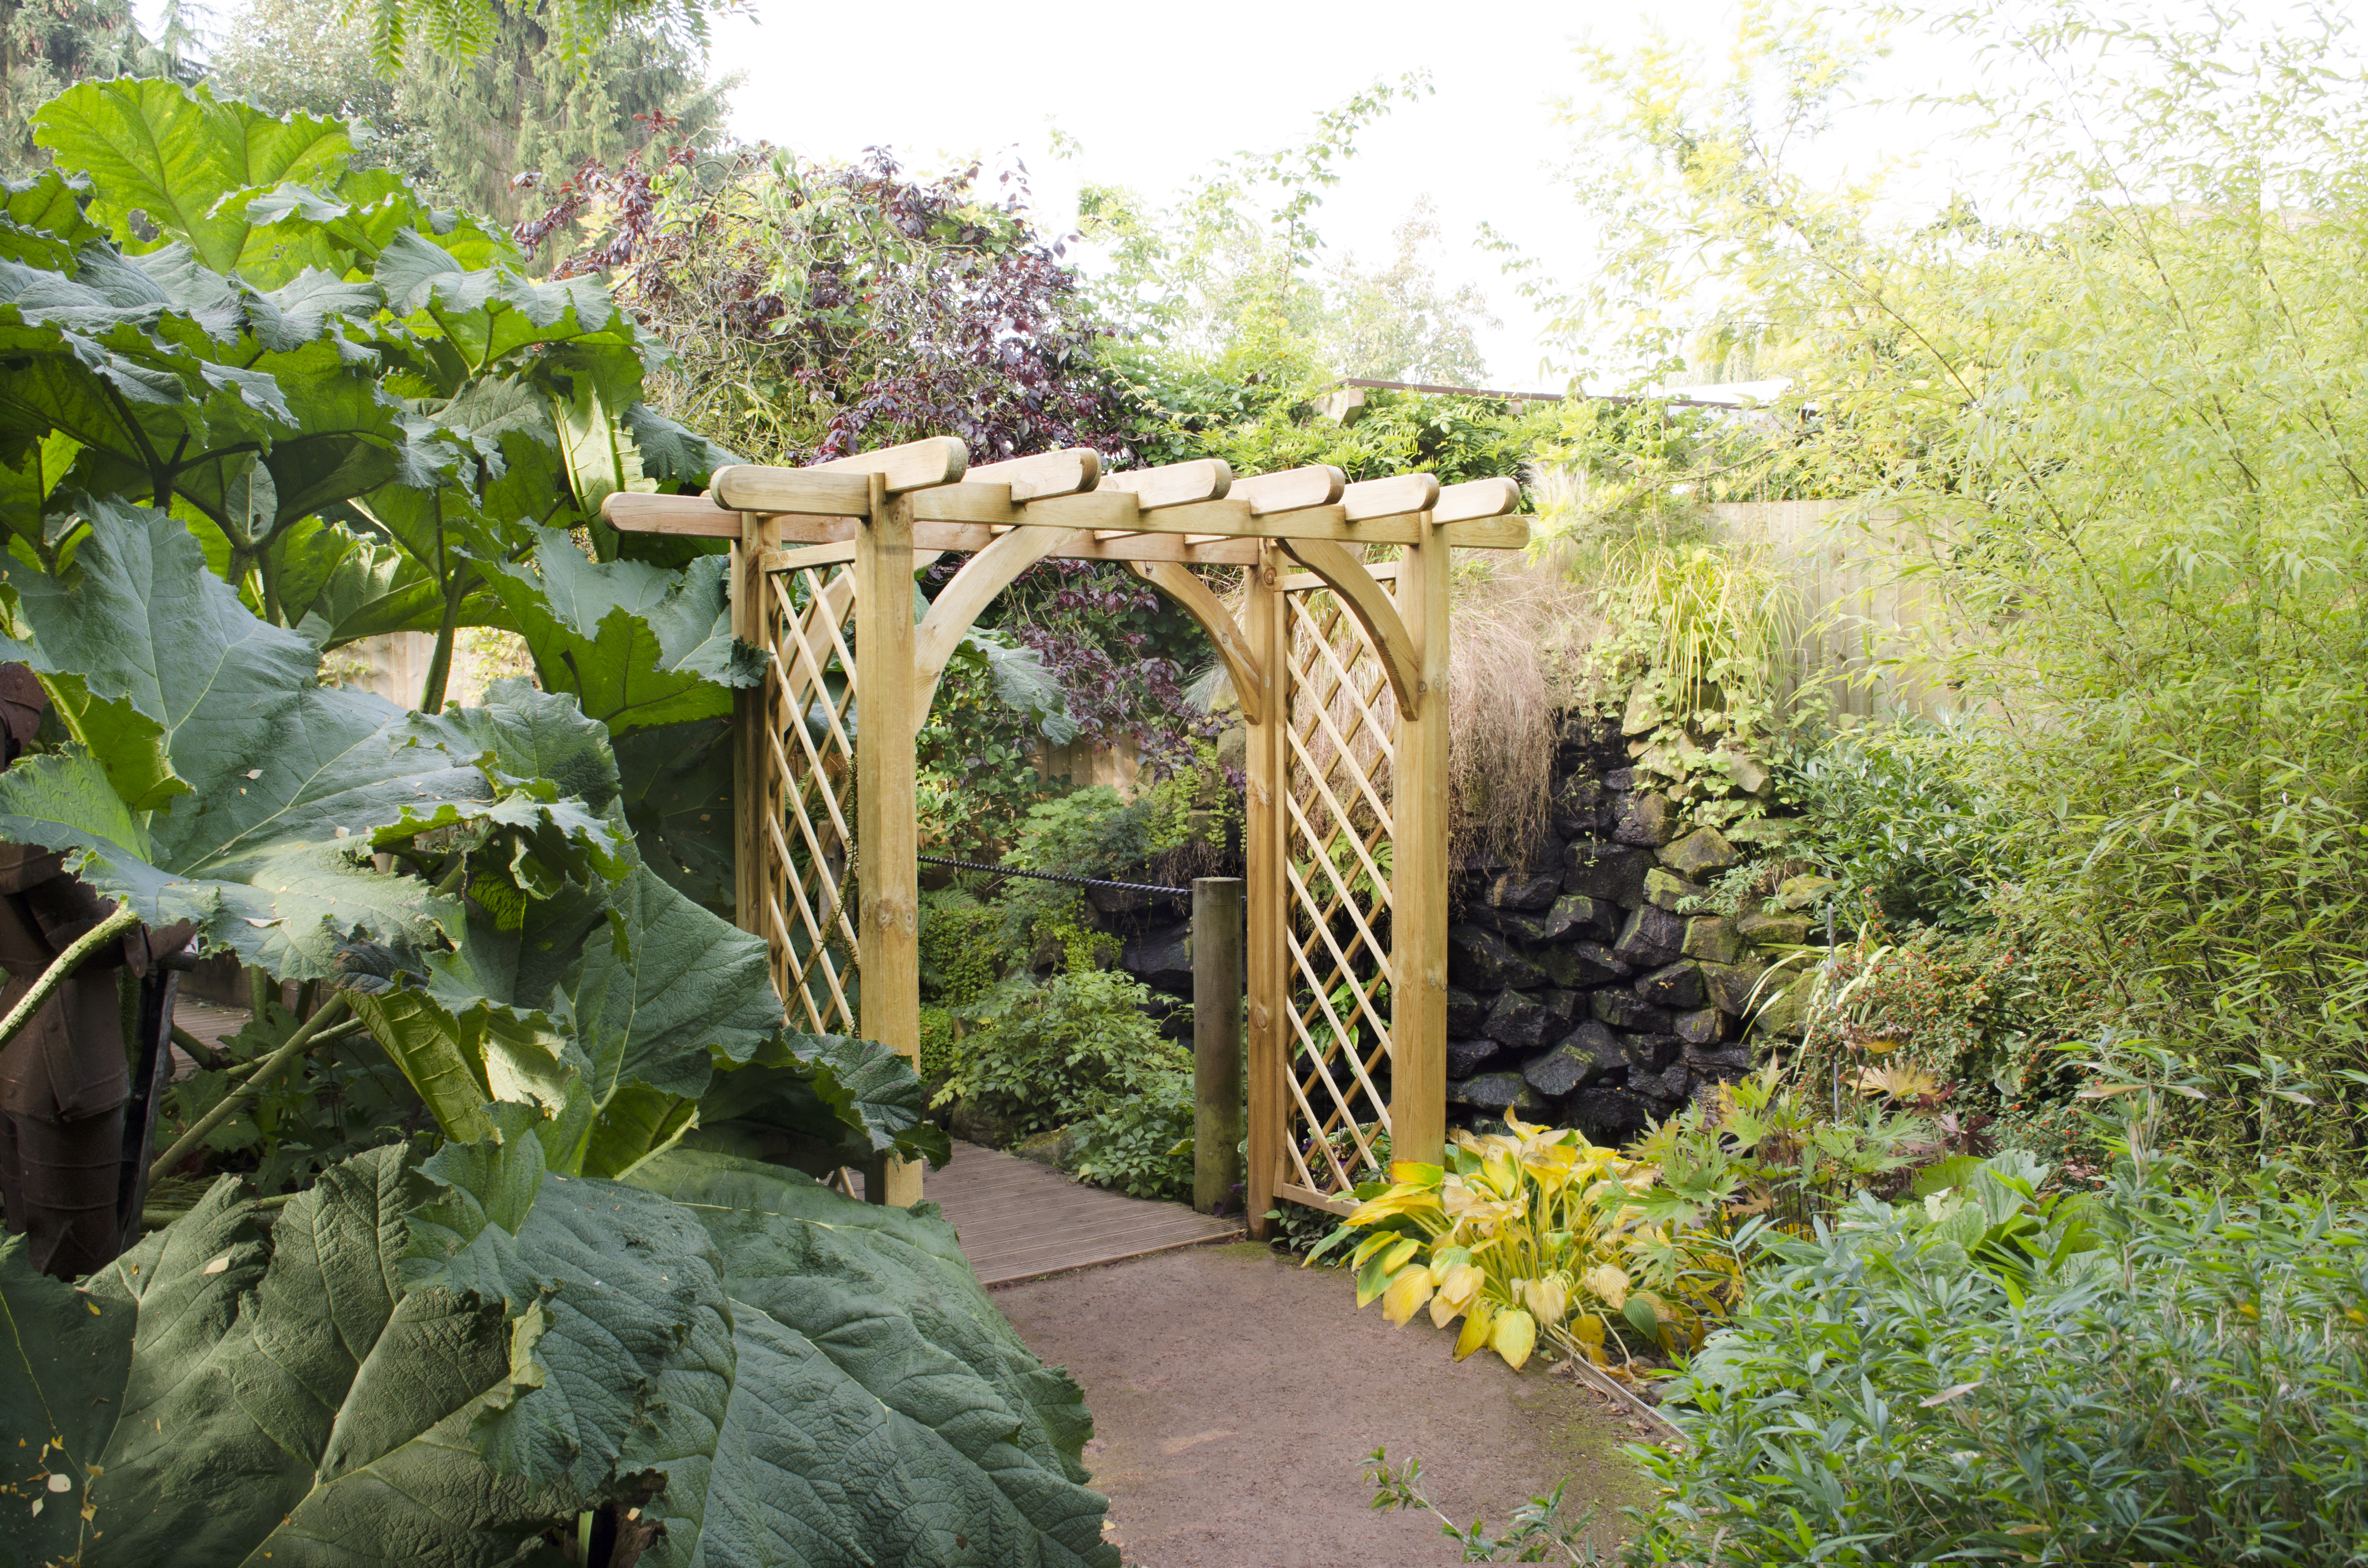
[2141, 1373]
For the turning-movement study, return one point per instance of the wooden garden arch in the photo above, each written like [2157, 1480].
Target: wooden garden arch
[1340, 665]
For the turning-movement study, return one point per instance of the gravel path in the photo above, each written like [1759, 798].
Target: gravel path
[1235, 1397]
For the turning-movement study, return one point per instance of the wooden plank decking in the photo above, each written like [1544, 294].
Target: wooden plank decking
[1017, 1219]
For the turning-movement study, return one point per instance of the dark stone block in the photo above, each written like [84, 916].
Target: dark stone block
[1575, 807]
[1465, 1012]
[1526, 1020]
[1498, 1093]
[1482, 860]
[1510, 923]
[1700, 854]
[1664, 889]
[1465, 1057]
[1622, 779]
[1665, 1085]
[1651, 938]
[1704, 1026]
[1713, 939]
[1591, 1055]
[1479, 960]
[1161, 959]
[1624, 1010]
[1720, 1063]
[1613, 872]
[1577, 913]
[1645, 818]
[1731, 984]
[1527, 891]
[1776, 930]
[1606, 1115]
[1676, 986]
[1651, 1052]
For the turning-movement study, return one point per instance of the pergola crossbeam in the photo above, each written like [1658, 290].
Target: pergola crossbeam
[802, 506]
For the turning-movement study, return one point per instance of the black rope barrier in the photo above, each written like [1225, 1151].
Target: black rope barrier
[1050, 876]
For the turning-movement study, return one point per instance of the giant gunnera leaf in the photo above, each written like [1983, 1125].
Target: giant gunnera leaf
[443, 1366]
[639, 645]
[284, 786]
[234, 1391]
[874, 1406]
[842, 1392]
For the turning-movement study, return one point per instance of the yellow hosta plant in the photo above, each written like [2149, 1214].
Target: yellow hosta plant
[1528, 1235]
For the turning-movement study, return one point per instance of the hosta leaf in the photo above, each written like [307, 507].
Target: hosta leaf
[873, 1404]
[286, 1396]
[174, 153]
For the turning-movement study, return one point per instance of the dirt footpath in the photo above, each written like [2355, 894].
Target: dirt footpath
[1235, 1397]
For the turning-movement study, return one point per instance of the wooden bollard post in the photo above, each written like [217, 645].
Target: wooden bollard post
[1218, 1114]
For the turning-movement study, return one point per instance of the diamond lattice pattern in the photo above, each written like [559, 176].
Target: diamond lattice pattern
[1336, 861]
[808, 811]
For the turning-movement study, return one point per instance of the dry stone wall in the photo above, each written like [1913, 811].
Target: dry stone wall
[1581, 992]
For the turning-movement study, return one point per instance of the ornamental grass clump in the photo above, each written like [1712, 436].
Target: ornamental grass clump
[1531, 1234]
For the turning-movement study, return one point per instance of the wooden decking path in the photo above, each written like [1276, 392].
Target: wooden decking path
[1019, 1220]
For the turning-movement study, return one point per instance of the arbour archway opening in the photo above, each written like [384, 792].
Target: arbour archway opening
[1340, 665]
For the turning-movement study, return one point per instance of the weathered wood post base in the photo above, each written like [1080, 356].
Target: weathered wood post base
[1218, 1109]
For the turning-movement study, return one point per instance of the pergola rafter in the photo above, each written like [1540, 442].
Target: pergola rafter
[1347, 854]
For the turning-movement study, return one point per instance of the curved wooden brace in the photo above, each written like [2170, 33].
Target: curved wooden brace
[959, 603]
[1191, 595]
[1346, 575]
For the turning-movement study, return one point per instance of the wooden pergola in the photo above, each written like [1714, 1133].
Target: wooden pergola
[1339, 662]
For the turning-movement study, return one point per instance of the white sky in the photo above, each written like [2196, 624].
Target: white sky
[1154, 93]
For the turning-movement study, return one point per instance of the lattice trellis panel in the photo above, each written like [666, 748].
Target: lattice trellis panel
[807, 843]
[1337, 833]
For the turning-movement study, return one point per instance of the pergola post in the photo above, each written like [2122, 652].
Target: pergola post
[1269, 898]
[749, 704]
[1418, 809]
[888, 878]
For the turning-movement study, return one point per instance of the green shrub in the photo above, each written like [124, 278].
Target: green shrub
[1923, 1385]
[1045, 1055]
[1142, 1143]
[963, 947]
[1889, 815]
